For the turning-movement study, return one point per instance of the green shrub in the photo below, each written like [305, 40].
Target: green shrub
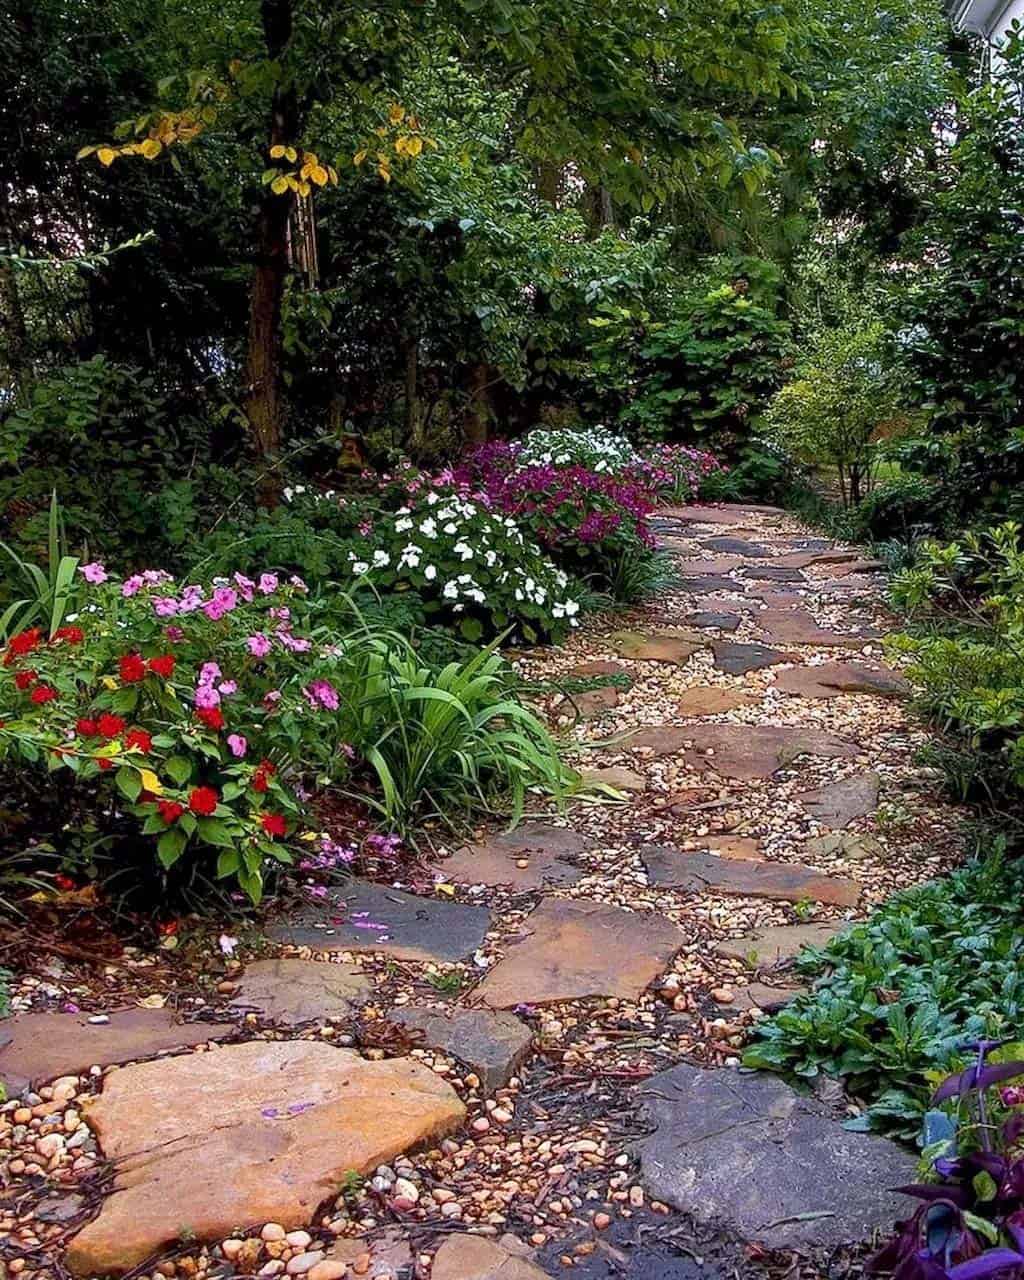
[903, 507]
[898, 997]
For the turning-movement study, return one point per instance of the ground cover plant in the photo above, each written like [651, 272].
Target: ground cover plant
[896, 998]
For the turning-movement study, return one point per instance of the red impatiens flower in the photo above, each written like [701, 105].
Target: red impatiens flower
[212, 717]
[109, 726]
[43, 693]
[86, 728]
[170, 810]
[20, 645]
[274, 824]
[132, 668]
[138, 738]
[70, 635]
[265, 770]
[163, 665]
[105, 763]
[24, 679]
[64, 883]
[203, 800]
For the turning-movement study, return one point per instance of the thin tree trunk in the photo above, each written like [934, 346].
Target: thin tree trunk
[264, 402]
[478, 410]
[413, 417]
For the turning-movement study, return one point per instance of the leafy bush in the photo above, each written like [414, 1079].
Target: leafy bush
[970, 1222]
[841, 404]
[898, 996]
[203, 718]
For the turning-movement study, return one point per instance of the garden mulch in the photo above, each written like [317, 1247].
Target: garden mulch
[789, 798]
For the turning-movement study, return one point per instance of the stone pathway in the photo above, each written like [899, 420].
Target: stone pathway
[524, 1060]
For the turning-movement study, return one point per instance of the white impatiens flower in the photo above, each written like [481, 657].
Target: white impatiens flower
[430, 572]
[403, 526]
[463, 550]
[451, 591]
[380, 559]
[432, 499]
[571, 608]
[451, 527]
[429, 527]
[491, 558]
[410, 556]
[360, 567]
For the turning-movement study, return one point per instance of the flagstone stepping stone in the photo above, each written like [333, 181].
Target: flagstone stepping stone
[758, 995]
[773, 945]
[825, 555]
[748, 751]
[389, 1254]
[709, 618]
[670, 868]
[771, 573]
[854, 567]
[594, 702]
[737, 659]
[713, 699]
[527, 858]
[597, 667]
[832, 679]
[746, 1152]
[574, 949]
[839, 803]
[494, 1044]
[296, 991]
[660, 646]
[774, 599]
[852, 847]
[722, 513]
[797, 626]
[736, 546]
[470, 1257]
[715, 564]
[361, 916]
[617, 776]
[43, 1046]
[256, 1132]
[707, 584]
[745, 847]
[664, 740]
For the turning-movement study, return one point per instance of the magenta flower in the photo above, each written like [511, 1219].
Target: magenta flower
[94, 572]
[258, 645]
[245, 586]
[228, 687]
[165, 606]
[268, 583]
[207, 696]
[133, 585]
[239, 745]
[209, 672]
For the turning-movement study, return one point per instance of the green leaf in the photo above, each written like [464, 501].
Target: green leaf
[178, 769]
[128, 782]
[171, 846]
[214, 831]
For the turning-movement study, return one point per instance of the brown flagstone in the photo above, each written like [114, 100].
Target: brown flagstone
[670, 868]
[757, 751]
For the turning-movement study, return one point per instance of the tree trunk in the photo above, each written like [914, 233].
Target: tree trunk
[264, 403]
[549, 182]
[478, 409]
[413, 418]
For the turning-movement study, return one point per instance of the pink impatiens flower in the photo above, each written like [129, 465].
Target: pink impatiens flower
[268, 583]
[165, 606]
[133, 585]
[239, 745]
[258, 645]
[94, 572]
[321, 693]
[207, 697]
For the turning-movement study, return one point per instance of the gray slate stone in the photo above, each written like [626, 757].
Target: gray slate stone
[296, 991]
[670, 868]
[750, 1154]
[737, 659]
[840, 803]
[775, 944]
[494, 1044]
[709, 618]
[735, 546]
[772, 573]
[362, 916]
[707, 584]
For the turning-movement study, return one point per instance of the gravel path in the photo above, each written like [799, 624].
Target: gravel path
[712, 770]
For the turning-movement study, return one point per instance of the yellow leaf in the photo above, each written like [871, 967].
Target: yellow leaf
[358, 158]
[310, 160]
[292, 183]
[279, 186]
[107, 156]
[85, 151]
[109, 682]
[310, 836]
[152, 1002]
[291, 153]
[332, 173]
[304, 189]
[400, 145]
[384, 173]
[151, 782]
[319, 175]
[447, 889]
[396, 114]
[151, 148]
[276, 152]
[112, 748]
[414, 146]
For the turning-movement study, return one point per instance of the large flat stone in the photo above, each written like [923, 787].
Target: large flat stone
[576, 949]
[296, 991]
[470, 1257]
[771, 573]
[544, 848]
[593, 702]
[757, 751]
[735, 546]
[713, 699]
[664, 740]
[362, 916]
[676, 647]
[804, 559]
[797, 626]
[257, 1132]
[597, 667]
[831, 679]
[493, 1044]
[775, 944]
[707, 584]
[670, 868]
[617, 776]
[746, 1152]
[758, 995]
[839, 803]
[731, 513]
[43, 1046]
[737, 659]
[713, 564]
[719, 621]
